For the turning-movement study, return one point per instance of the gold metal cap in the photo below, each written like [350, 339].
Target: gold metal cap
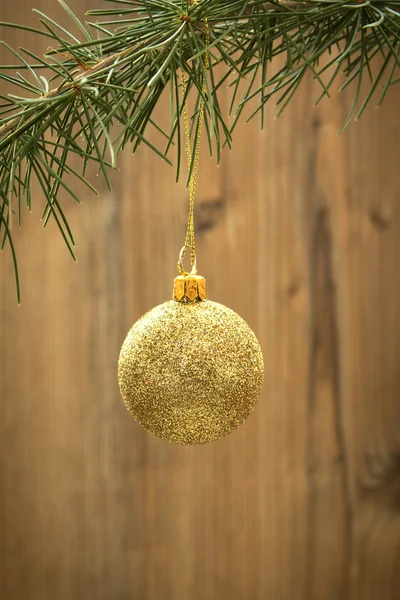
[189, 288]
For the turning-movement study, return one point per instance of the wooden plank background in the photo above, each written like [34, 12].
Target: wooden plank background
[299, 232]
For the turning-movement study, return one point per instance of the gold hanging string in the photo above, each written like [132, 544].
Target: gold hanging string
[190, 237]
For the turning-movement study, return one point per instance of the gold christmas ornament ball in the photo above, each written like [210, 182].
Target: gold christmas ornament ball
[190, 371]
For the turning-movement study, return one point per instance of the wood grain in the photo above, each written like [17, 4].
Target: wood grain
[303, 501]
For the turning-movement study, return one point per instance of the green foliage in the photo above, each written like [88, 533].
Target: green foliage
[114, 71]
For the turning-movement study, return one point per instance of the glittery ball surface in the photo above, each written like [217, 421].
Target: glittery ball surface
[190, 373]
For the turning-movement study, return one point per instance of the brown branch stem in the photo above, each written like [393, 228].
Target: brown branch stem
[65, 86]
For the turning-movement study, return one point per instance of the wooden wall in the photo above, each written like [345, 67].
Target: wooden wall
[299, 232]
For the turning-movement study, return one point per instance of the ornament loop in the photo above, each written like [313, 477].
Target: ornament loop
[181, 268]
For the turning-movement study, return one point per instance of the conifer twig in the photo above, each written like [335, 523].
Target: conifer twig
[113, 71]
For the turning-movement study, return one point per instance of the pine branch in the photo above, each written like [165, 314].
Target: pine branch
[74, 84]
[114, 72]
